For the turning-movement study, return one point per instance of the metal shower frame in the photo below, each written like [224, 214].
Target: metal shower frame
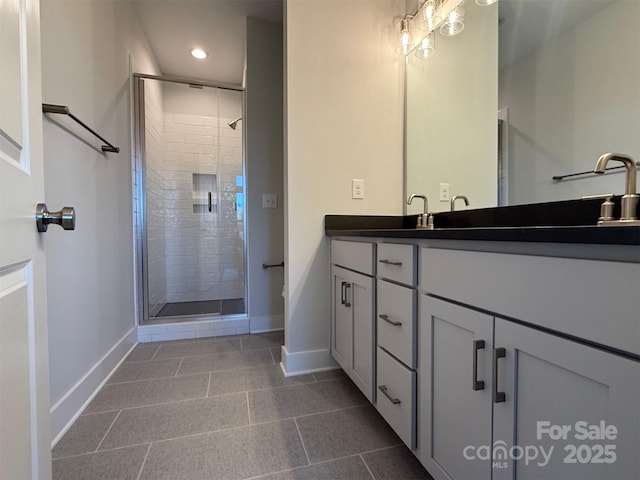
[139, 188]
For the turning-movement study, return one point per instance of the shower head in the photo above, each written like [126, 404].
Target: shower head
[234, 123]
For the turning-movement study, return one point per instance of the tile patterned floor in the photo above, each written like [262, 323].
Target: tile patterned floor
[217, 409]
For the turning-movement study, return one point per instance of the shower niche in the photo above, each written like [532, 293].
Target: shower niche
[189, 188]
[205, 193]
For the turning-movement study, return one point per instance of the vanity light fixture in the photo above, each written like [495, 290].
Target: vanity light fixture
[199, 53]
[429, 15]
[454, 23]
[426, 47]
[447, 16]
[405, 37]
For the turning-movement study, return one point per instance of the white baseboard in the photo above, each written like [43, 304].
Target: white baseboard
[299, 363]
[66, 410]
[267, 323]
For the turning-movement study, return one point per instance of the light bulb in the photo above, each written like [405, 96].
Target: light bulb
[426, 48]
[428, 15]
[454, 23]
[199, 53]
[405, 38]
[484, 3]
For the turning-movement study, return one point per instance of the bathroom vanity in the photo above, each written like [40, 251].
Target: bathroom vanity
[494, 352]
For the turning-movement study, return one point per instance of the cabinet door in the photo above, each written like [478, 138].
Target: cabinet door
[551, 385]
[342, 319]
[360, 295]
[352, 333]
[454, 411]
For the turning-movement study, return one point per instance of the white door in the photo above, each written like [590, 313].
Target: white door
[24, 375]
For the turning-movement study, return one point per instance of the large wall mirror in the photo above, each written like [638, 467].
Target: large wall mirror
[531, 89]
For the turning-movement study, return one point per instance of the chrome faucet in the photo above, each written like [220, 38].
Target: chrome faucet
[630, 198]
[425, 219]
[456, 197]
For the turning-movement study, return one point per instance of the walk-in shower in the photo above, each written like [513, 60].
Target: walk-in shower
[190, 190]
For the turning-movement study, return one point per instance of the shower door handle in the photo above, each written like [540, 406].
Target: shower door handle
[210, 202]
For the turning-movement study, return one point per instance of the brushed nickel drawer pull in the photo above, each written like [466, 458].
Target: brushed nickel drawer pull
[383, 389]
[386, 318]
[390, 262]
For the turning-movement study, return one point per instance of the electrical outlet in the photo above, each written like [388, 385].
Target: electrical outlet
[269, 200]
[445, 192]
[357, 188]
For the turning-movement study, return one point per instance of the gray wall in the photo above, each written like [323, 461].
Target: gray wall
[264, 164]
[86, 50]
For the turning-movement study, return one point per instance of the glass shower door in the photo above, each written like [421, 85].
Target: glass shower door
[193, 247]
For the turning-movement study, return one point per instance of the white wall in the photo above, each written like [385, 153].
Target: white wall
[452, 115]
[572, 101]
[344, 117]
[264, 164]
[85, 65]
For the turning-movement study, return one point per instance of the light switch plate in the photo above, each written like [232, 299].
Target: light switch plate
[269, 200]
[357, 188]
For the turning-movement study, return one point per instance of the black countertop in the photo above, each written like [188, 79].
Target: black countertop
[572, 221]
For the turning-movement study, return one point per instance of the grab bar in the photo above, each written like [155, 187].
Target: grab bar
[589, 172]
[64, 110]
[265, 266]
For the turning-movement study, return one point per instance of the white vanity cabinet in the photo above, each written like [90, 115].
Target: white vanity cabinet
[352, 312]
[397, 338]
[550, 406]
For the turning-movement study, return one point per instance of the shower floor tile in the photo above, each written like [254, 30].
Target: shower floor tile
[230, 306]
[240, 418]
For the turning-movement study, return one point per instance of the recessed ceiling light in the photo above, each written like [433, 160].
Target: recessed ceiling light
[199, 53]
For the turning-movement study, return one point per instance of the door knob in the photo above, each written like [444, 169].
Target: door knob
[66, 217]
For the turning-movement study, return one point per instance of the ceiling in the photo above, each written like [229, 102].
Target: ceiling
[174, 27]
[527, 24]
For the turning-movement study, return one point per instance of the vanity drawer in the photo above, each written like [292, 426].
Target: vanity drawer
[358, 256]
[396, 397]
[397, 262]
[396, 321]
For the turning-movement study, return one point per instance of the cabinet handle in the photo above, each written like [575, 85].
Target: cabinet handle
[498, 397]
[386, 318]
[210, 202]
[477, 384]
[390, 262]
[347, 287]
[384, 389]
[342, 285]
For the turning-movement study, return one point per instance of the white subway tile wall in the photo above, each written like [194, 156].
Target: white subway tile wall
[203, 251]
